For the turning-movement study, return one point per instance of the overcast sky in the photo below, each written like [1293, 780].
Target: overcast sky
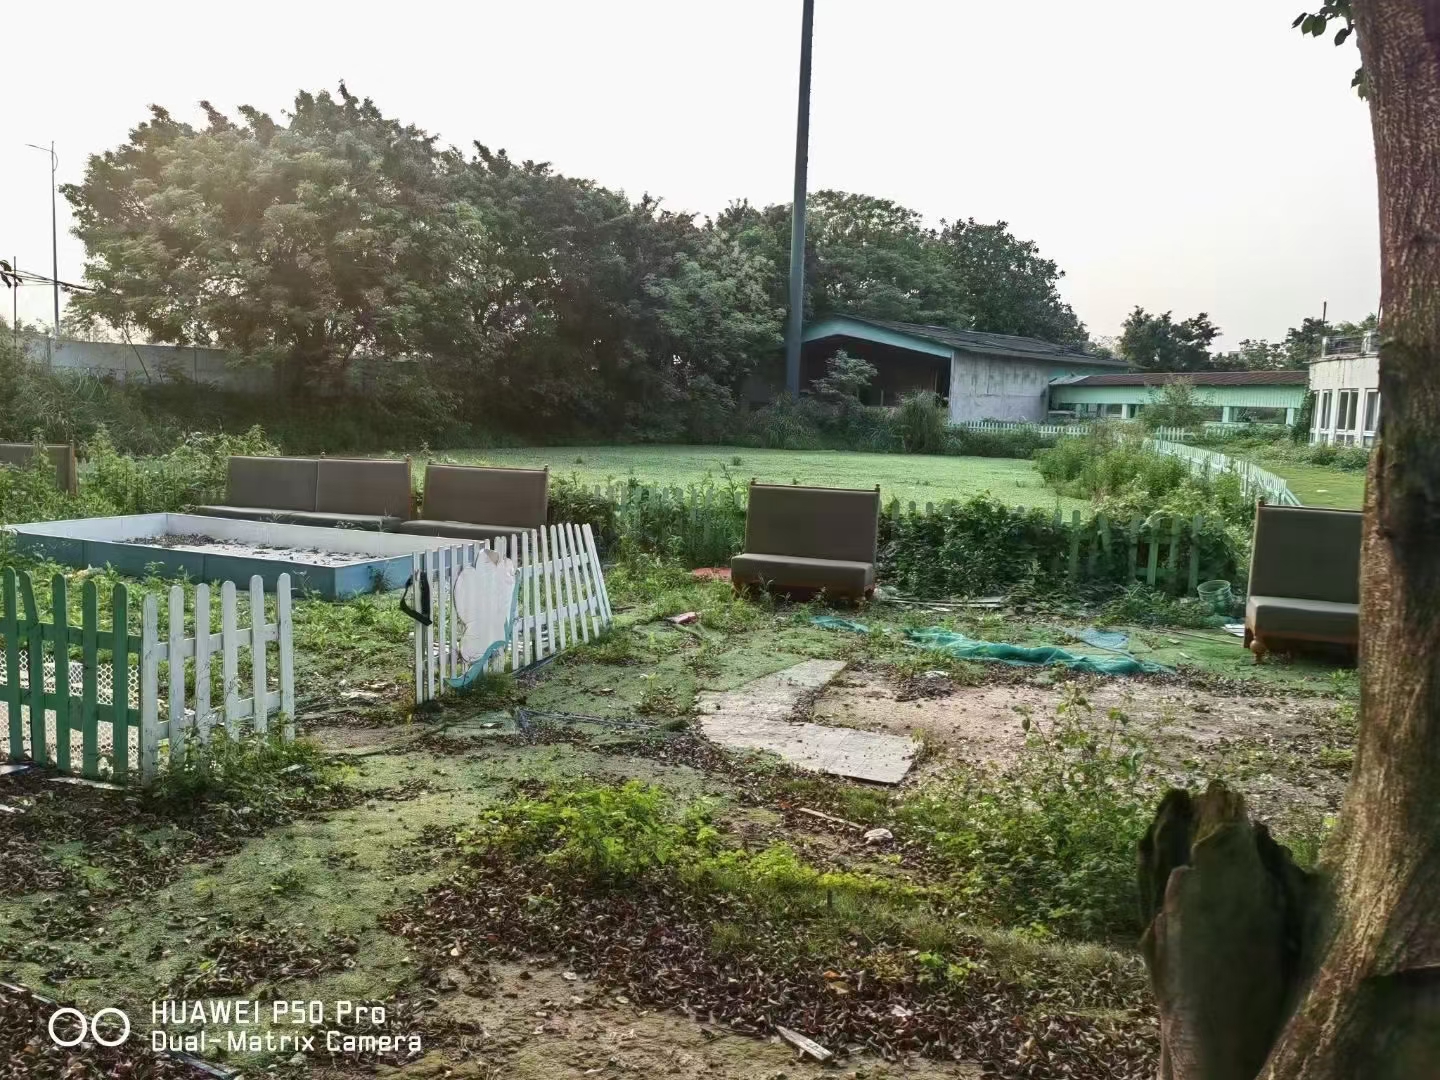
[1179, 158]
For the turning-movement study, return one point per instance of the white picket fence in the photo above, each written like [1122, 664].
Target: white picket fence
[560, 600]
[1171, 434]
[1255, 480]
[1024, 425]
[242, 704]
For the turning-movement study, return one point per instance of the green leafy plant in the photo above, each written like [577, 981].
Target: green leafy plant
[1176, 405]
[1049, 842]
[263, 772]
[595, 831]
[922, 423]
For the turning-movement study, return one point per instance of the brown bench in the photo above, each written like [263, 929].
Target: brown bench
[473, 503]
[808, 539]
[355, 493]
[1304, 577]
[61, 455]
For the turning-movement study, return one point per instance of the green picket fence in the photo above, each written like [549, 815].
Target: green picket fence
[704, 525]
[102, 702]
[42, 713]
[1167, 552]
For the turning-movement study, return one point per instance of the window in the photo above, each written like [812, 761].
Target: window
[1345, 412]
[1372, 411]
[1324, 412]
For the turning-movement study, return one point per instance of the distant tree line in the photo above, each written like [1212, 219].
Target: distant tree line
[338, 234]
[1159, 343]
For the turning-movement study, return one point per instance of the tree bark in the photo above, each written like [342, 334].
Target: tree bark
[1367, 987]
[1373, 1004]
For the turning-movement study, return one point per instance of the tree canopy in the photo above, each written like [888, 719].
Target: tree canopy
[334, 234]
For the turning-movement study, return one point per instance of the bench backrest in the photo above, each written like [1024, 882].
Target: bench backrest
[482, 496]
[365, 486]
[272, 483]
[61, 455]
[812, 522]
[1306, 553]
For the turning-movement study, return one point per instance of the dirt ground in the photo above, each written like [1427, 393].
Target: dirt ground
[1270, 738]
[539, 1023]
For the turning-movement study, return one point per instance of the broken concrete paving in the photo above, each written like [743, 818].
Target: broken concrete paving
[758, 716]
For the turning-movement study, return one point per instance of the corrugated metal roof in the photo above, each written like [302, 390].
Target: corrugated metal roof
[1199, 378]
[998, 344]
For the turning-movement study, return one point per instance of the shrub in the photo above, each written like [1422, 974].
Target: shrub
[922, 423]
[192, 473]
[1049, 842]
[1177, 405]
[1125, 480]
[968, 548]
[595, 831]
[1019, 442]
[1140, 605]
[257, 773]
[570, 500]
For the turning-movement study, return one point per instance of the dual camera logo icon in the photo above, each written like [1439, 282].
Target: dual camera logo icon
[89, 1027]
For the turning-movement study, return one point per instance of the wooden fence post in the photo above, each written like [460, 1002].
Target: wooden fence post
[60, 650]
[120, 683]
[284, 633]
[175, 654]
[10, 627]
[149, 688]
[35, 654]
[89, 680]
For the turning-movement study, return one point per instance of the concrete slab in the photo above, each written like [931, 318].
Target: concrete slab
[760, 716]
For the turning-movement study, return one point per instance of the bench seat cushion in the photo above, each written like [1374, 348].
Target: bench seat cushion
[460, 530]
[1283, 616]
[313, 518]
[329, 520]
[247, 513]
[793, 571]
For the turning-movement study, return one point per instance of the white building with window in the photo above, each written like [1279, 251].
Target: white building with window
[1346, 383]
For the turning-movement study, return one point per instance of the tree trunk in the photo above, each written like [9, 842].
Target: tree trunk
[1367, 984]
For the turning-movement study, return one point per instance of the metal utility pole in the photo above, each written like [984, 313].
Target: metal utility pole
[54, 233]
[797, 225]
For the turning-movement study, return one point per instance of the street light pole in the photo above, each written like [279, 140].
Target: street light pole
[54, 233]
[797, 207]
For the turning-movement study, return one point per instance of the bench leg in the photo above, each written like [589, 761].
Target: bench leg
[1257, 646]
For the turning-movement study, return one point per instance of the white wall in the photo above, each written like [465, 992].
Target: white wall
[1344, 373]
[1003, 388]
[148, 363]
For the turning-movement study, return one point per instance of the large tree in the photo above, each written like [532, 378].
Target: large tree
[302, 243]
[1260, 970]
[875, 258]
[1159, 343]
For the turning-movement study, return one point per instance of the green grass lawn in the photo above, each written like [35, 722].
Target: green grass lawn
[1315, 485]
[921, 478]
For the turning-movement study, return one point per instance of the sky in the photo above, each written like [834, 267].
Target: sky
[1178, 158]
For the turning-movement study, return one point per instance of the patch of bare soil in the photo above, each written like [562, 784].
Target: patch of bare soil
[339, 738]
[536, 1023]
[1268, 738]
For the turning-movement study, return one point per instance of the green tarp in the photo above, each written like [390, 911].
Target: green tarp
[964, 648]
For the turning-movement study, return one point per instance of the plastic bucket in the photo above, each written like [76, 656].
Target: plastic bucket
[1216, 594]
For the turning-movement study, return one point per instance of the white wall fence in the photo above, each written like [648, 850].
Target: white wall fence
[102, 702]
[1256, 481]
[1170, 433]
[560, 600]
